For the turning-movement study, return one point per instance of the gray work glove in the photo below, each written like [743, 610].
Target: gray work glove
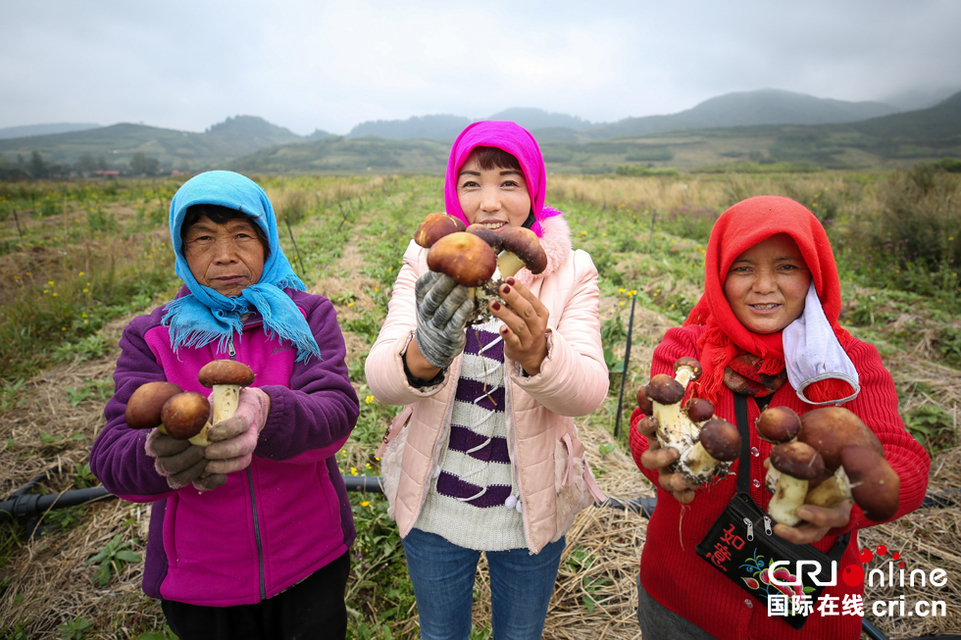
[176, 460]
[443, 310]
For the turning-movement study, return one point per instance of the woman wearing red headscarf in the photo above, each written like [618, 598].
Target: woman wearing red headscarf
[767, 328]
[486, 458]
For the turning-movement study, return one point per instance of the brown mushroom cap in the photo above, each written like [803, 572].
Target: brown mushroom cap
[721, 440]
[525, 244]
[489, 236]
[225, 372]
[829, 429]
[143, 408]
[644, 402]
[699, 410]
[778, 424]
[435, 226]
[664, 389]
[798, 460]
[464, 257]
[688, 363]
[185, 414]
[875, 486]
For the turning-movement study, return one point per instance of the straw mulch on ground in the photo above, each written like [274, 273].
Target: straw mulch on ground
[48, 580]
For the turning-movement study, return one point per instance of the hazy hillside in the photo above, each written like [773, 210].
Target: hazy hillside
[751, 108]
[701, 138]
[45, 129]
[113, 147]
[434, 127]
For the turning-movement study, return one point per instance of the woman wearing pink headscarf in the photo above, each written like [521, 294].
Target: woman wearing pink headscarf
[485, 457]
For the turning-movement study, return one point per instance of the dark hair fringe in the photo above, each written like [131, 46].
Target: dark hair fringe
[493, 158]
[220, 214]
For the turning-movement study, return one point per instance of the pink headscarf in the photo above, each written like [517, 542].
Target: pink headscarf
[515, 140]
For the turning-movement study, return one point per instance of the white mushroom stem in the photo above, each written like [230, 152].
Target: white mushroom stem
[789, 494]
[832, 491]
[508, 264]
[674, 428]
[770, 480]
[225, 399]
[697, 462]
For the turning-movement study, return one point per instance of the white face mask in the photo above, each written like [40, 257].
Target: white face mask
[812, 352]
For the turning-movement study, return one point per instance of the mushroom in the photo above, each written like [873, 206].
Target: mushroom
[463, 256]
[864, 477]
[520, 248]
[799, 463]
[225, 378]
[778, 425]
[186, 417]
[434, 227]
[719, 445]
[680, 429]
[144, 406]
[644, 402]
[486, 234]
[829, 429]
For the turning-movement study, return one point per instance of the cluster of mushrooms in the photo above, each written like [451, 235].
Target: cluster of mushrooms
[477, 257]
[186, 415]
[821, 458]
[706, 444]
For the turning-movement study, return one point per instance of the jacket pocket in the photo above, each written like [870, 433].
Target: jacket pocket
[574, 485]
[392, 454]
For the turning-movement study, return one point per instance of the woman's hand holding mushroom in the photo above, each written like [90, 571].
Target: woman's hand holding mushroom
[816, 522]
[660, 458]
[179, 461]
[232, 441]
[443, 310]
[525, 325]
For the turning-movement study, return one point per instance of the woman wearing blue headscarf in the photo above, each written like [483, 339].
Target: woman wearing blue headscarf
[248, 535]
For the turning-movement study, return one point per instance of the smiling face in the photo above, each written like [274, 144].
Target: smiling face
[496, 198]
[767, 284]
[227, 256]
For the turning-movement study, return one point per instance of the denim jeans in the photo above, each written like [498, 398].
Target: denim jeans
[443, 577]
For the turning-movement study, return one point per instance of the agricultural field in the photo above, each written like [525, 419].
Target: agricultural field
[79, 259]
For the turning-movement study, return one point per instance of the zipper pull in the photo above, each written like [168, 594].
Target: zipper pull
[231, 351]
[767, 526]
[750, 528]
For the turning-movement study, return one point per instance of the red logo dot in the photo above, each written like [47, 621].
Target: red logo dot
[901, 564]
[866, 556]
[896, 556]
[853, 575]
[882, 549]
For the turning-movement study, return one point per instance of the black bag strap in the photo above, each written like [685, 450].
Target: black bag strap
[744, 468]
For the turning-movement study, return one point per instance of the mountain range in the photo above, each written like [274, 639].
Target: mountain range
[771, 118]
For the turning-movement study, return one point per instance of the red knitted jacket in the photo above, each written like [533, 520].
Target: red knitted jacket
[689, 585]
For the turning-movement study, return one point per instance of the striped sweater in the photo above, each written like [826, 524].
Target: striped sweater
[472, 500]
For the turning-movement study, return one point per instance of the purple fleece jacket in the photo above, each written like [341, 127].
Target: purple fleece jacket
[272, 524]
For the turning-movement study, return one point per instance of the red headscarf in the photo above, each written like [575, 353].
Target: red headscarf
[738, 229]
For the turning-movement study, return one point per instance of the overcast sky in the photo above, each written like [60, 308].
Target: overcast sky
[314, 64]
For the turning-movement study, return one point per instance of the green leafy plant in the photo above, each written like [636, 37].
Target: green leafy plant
[112, 559]
[75, 628]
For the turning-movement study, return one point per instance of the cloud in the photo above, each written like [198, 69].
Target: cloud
[307, 65]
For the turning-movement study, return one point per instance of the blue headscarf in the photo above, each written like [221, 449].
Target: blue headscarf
[205, 315]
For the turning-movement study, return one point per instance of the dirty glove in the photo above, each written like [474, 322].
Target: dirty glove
[443, 309]
[233, 440]
[176, 460]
